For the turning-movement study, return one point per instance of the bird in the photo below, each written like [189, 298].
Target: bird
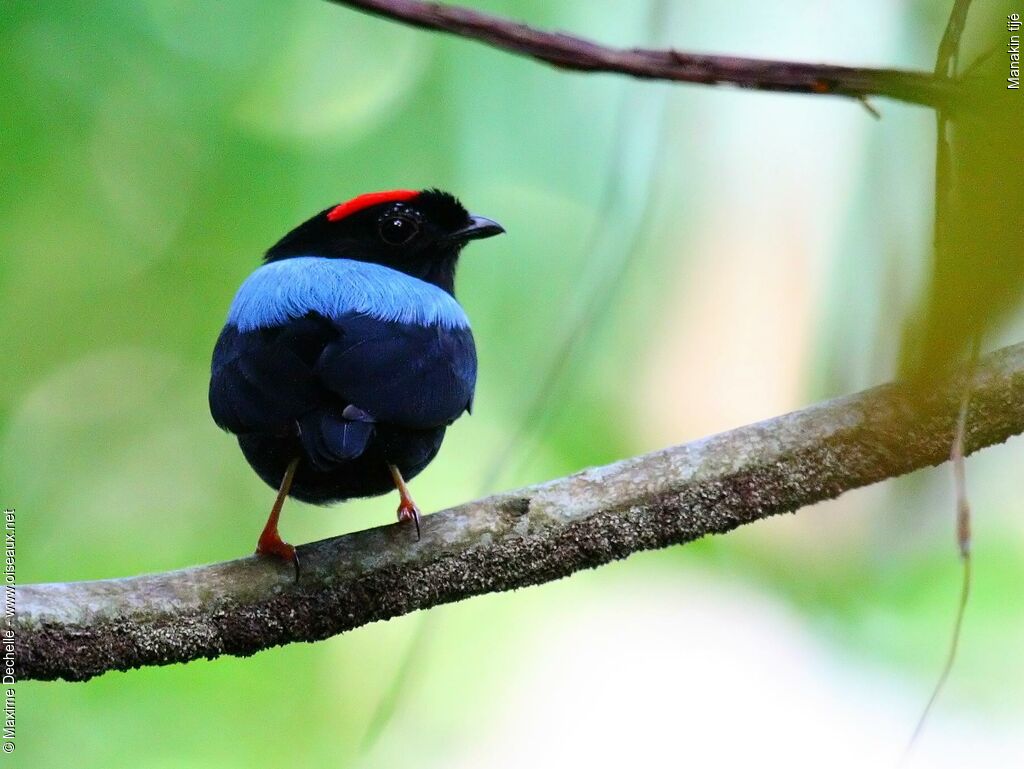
[345, 355]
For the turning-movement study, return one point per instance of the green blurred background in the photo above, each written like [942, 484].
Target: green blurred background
[746, 254]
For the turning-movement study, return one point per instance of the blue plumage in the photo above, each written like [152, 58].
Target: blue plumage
[345, 357]
[293, 381]
[288, 289]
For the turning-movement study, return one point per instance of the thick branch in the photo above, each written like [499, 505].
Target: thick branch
[574, 53]
[529, 536]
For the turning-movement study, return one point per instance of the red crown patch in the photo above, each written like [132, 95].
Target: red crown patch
[367, 200]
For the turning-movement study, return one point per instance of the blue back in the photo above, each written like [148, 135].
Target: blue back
[291, 288]
[308, 336]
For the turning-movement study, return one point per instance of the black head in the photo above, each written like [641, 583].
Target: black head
[418, 233]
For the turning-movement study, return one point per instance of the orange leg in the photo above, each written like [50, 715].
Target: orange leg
[270, 541]
[407, 510]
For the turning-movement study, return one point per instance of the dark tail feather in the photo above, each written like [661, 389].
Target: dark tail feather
[330, 439]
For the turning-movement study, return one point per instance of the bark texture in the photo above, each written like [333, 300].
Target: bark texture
[536, 534]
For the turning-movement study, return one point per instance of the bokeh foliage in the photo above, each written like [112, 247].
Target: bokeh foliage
[152, 150]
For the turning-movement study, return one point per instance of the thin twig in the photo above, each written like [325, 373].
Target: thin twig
[946, 65]
[574, 53]
[872, 110]
[949, 47]
[525, 537]
[957, 457]
[945, 68]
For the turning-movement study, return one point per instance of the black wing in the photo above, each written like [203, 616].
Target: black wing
[268, 380]
[403, 374]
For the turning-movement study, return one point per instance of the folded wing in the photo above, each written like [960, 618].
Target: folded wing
[302, 377]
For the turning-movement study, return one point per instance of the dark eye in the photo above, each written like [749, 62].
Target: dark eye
[397, 230]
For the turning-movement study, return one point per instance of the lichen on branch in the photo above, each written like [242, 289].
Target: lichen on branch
[535, 534]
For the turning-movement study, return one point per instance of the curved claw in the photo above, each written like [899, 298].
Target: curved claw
[407, 511]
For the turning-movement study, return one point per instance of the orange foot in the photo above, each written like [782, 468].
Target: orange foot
[271, 544]
[407, 511]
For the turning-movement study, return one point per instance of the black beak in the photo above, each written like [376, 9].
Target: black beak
[478, 227]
